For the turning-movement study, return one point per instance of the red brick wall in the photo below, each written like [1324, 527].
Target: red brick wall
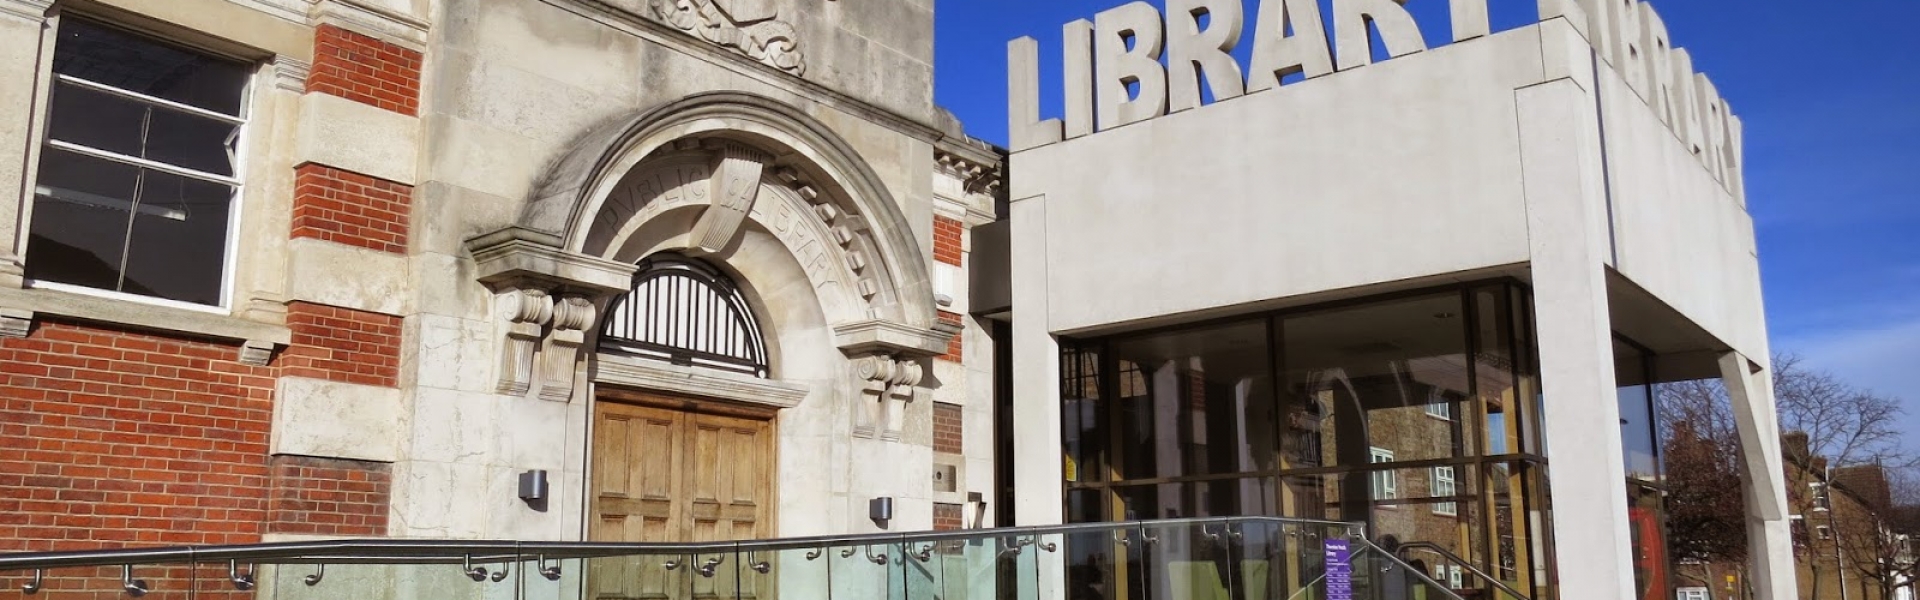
[946, 240]
[947, 428]
[111, 438]
[955, 346]
[329, 497]
[350, 208]
[948, 517]
[366, 70]
[342, 345]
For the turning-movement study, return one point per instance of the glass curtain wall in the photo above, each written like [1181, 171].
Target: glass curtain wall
[1646, 474]
[1417, 415]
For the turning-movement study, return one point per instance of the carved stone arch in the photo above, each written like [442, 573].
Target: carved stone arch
[583, 181]
[826, 241]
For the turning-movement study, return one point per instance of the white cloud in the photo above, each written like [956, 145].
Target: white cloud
[1884, 359]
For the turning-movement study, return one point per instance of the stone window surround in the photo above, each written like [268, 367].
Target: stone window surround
[239, 148]
[253, 317]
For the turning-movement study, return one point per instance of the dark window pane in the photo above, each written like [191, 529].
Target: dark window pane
[80, 212]
[96, 119]
[125, 126]
[1197, 402]
[124, 61]
[179, 239]
[1084, 433]
[190, 141]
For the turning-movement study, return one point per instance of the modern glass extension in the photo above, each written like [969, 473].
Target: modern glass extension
[1416, 415]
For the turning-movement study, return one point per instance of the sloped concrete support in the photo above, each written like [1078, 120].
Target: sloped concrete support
[1769, 537]
[1567, 235]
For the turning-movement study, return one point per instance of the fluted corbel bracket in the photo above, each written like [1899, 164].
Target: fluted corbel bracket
[545, 299]
[887, 384]
[572, 315]
[524, 313]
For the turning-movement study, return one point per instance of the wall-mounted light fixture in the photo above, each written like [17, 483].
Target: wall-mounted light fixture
[533, 487]
[880, 510]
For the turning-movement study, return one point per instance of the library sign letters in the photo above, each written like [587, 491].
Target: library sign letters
[1131, 63]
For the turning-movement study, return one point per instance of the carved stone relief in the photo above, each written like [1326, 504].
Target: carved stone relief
[750, 27]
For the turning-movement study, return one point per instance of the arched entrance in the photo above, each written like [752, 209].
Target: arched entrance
[821, 257]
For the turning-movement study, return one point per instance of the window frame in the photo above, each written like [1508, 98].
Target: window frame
[1385, 483]
[239, 151]
[1452, 481]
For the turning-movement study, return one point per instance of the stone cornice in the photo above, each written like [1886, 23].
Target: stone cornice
[978, 169]
[516, 254]
[31, 10]
[894, 339]
[380, 22]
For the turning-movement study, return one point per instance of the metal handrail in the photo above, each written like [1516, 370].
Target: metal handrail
[1455, 558]
[1443, 588]
[367, 551]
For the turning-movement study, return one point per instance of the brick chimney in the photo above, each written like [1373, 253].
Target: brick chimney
[1794, 445]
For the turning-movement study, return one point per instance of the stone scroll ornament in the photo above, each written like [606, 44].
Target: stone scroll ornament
[572, 315]
[526, 313]
[749, 27]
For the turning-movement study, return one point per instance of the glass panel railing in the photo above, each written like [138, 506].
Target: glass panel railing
[1187, 559]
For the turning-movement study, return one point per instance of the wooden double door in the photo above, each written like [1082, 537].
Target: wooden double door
[670, 469]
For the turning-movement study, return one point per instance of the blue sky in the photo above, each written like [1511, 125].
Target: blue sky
[1830, 97]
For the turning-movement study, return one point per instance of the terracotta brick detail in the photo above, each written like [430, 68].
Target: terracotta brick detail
[342, 345]
[331, 497]
[947, 428]
[350, 208]
[946, 240]
[365, 69]
[948, 517]
[112, 438]
[955, 345]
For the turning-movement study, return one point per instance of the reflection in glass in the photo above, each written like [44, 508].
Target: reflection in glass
[1194, 403]
[1637, 427]
[1416, 416]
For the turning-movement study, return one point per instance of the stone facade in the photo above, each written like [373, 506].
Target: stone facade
[438, 201]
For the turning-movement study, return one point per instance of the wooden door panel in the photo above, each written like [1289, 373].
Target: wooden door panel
[637, 498]
[667, 475]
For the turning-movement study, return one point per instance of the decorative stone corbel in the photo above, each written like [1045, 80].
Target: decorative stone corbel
[256, 353]
[572, 315]
[886, 386]
[545, 299]
[525, 313]
[290, 74]
[15, 323]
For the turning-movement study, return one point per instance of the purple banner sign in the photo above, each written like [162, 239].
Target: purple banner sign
[1339, 570]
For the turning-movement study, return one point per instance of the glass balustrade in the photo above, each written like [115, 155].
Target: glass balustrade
[1253, 558]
